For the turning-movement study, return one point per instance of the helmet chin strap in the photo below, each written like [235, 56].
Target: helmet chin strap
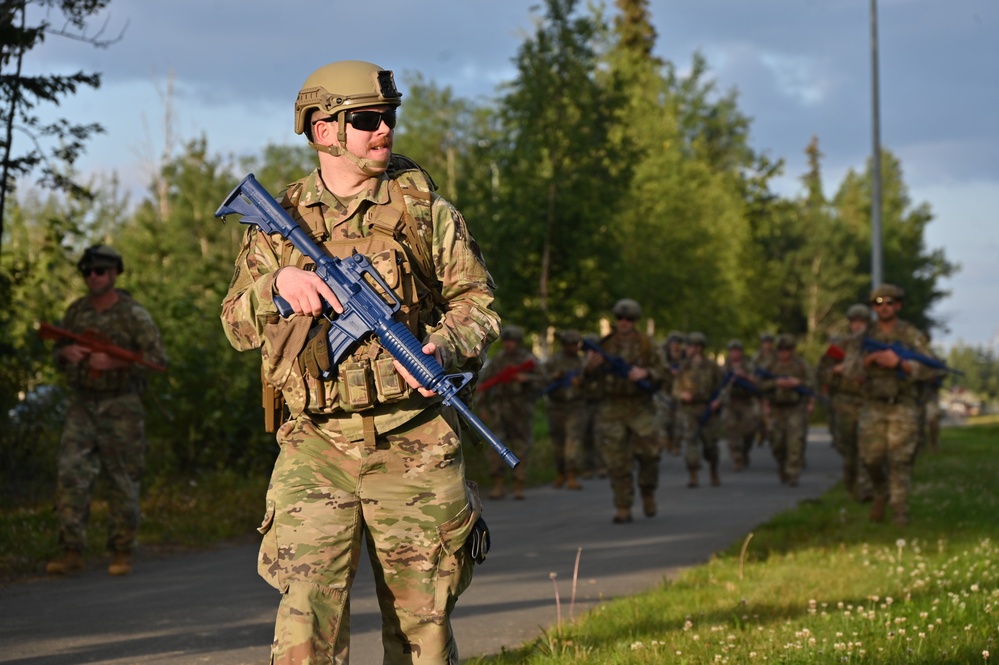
[370, 167]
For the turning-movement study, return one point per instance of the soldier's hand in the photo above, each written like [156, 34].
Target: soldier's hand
[431, 350]
[75, 353]
[637, 374]
[593, 360]
[305, 291]
[103, 362]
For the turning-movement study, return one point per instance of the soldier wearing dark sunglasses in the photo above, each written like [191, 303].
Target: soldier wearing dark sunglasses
[104, 416]
[366, 452]
[889, 418]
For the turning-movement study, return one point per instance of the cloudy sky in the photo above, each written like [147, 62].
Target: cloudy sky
[801, 68]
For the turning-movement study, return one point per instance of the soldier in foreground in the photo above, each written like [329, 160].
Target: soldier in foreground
[510, 384]
[889, 419]
[626, 429]
[367, 452]
[104, 416]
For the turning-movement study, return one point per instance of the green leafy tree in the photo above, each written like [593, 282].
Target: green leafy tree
[24, 25]
[552, 177]
[908, 262]
[206, 410]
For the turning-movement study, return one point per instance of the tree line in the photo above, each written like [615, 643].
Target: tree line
[599, 172]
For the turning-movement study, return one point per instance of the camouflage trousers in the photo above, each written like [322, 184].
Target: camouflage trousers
[698, 441]
[627, 432]
[100, 432]
[589, 456]
[407, 497]
[512, 421]
[929, 425]
[845, 424]
[741, 420]
[788, 433]
[666, 412]
[566, 427]
[888, 436]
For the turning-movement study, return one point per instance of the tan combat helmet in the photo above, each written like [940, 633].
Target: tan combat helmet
[786, 341]
[858, 311]
[335, 89]
[626, 308]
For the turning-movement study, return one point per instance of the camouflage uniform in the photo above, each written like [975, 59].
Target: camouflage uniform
[363, 455]
[626, 427]
[566, 413]
[664, 398]
[741, 413]
[591, 461]
[845, 402]
[105, 423]
[889, 420]
[702, 378]
[762, 358]
[929, 429]
[510, 409]
[788, 416]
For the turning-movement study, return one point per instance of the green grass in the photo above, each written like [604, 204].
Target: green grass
[822, 584]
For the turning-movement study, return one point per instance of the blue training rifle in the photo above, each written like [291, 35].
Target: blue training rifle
[364, 310]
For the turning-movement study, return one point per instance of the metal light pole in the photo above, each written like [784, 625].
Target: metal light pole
[877, 260]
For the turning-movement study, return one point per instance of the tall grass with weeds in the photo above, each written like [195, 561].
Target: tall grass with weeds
[822, 584]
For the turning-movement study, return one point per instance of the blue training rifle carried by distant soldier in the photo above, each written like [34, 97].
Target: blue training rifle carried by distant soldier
[364, 310]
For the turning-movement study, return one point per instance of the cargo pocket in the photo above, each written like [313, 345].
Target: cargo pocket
[454, 567]
[268, 559]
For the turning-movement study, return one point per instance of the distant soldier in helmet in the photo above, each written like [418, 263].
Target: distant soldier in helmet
[741, 413]
[764, 355]
[696, 390]
[626, 429]
[845, 392]
[889, 418]
[675, 351]
[368, 453]
[566, 408]
[789, 387]
[514, 378]
[104, 415]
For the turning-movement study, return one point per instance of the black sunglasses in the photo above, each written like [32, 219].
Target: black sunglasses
[883, 301]
[86, 272]
[369, 121]
[627, 318]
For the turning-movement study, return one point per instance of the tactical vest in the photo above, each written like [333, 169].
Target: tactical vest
[398, 242]
[616, 386]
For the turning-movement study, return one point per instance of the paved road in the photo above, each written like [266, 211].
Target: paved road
[210, 607]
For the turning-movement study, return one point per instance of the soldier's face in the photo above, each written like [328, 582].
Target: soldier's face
[886, 308]
[100, 280]
[625, 325]
[735, 355]
[857, 325]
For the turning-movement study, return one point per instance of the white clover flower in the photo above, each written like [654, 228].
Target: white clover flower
[636, 646]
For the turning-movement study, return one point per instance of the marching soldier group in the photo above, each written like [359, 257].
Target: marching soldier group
[633, 398]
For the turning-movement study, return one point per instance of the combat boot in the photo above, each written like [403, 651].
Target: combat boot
[121, 564]
[622, 516]
[693, 479]
[877, 513]
[571, 482]
[70, 561]
[649, 504]
[559, 480]
[518, 489]
[499, 490]
[899, 514]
